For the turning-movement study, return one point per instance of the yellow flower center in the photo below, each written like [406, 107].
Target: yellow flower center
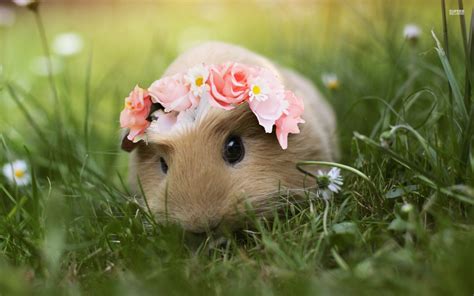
[19, 173]
[256, 89]
[199, 81]
[128, 105]
[333, 84]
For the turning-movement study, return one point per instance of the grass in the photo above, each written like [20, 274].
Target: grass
[405, 124]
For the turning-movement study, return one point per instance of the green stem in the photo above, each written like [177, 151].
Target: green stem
[465, 167]
[30, 118]
[149, 212]
[446, 43]
[44, 42]
[87, 101]
[466, 147]
[445, 28]
[325, 218]
[462, 22]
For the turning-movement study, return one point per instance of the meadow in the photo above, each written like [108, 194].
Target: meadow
[403, 223]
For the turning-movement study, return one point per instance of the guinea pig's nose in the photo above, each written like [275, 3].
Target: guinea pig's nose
[201, 224]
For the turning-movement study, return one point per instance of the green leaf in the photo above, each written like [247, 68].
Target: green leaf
[400, 191]
[398, 224]
[345, 228]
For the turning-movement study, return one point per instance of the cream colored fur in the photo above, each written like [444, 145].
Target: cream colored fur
[201, 191]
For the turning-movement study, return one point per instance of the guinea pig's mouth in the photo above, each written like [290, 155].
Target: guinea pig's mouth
[215, 231]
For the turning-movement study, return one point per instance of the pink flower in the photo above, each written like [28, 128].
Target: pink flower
[186, 97]
[135, 113]
[228, 85]
[288, 122]
[268, 98]
[173, 93]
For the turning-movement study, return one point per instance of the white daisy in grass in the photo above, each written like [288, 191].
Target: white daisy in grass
[67, 44]
[17, 172]
[330, 80]
[329, 182]
[411, 32]
[197, 78]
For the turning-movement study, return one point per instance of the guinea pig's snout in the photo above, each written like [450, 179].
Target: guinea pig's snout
[201, 223]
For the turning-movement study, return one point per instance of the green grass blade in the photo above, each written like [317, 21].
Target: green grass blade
[424, 143]
[462, 22]
[466, 145]
[447, 191]
[395, 156]
[446, 43]
[459, 107]
[467, 40]
[29, 117]
[87, 102]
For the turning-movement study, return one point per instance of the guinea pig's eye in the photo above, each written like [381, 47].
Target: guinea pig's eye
[163, 165]
[233, 150]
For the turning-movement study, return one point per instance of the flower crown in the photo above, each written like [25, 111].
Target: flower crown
[183, 96]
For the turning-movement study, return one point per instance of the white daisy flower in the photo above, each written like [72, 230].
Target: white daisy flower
[329, 183]
[23, 2]
[40, 66]
[259, 90]
[197, 78]
[330, 80]
[17, 172]
[7, 16]
[67, 44]
[411, 32]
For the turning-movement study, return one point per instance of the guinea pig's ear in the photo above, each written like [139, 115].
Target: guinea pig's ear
[126, 144]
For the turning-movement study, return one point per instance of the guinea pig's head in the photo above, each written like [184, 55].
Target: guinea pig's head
[207, 175]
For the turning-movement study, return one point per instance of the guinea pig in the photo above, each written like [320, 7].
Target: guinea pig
[206, 176]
